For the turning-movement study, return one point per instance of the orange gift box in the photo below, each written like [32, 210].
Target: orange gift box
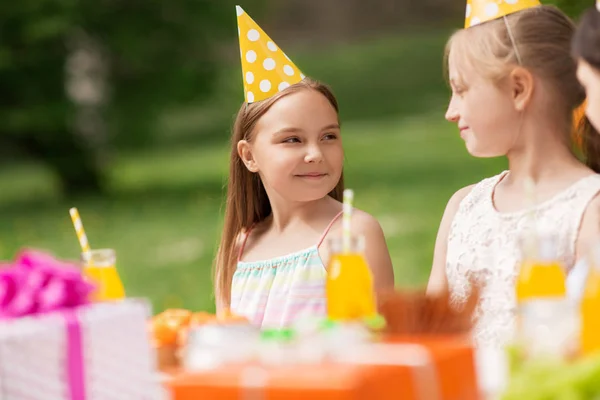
[398, 368]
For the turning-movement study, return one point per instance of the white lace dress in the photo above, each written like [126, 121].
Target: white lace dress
[484, 244]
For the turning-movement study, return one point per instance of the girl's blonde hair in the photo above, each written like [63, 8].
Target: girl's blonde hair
[541, 43]
[246, 201]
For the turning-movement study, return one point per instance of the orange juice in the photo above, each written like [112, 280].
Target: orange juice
[542, 275]
[543, 307]
[110, 286]
[540, 279]
[590, 305]
[102, 271]
[590, 314]
[349, 285]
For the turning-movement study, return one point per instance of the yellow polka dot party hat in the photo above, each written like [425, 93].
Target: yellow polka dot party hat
[479, 11]
[265, 67]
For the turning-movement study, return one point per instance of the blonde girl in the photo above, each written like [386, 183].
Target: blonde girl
[514, 90]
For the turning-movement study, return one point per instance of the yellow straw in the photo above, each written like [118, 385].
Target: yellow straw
[347, 210]
[85, 246]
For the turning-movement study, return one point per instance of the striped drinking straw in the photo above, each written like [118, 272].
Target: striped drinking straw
[347, 216]
[85, 246]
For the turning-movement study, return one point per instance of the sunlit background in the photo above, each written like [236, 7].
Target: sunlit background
[123, 109]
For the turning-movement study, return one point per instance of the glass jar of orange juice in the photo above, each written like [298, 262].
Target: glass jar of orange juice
[547, 322]
[100, 267]
[349, 284]
[542, 274]
[590, 304]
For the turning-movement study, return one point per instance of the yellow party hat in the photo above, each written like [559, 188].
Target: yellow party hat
[479, 11]
[266, 69]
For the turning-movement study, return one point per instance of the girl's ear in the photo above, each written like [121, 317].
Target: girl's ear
[245, 152]
[521, 86]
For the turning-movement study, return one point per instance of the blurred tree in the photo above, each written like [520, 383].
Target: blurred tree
[573, 8]
[76, 75]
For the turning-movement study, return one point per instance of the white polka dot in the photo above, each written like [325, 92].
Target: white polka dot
[468, 13]
[289, 71]
[251, 56]
[283, 85]
[269, 64]
[302, 76]
[511, 1]
[253, 35]
[265, 85]
[475, 21]
[249, 77]
[271, 46]
[491, 9]
[238, 10]
[250, 97]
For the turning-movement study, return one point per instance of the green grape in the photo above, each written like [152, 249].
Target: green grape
[515, 357]
[547, 379]
[568, 394]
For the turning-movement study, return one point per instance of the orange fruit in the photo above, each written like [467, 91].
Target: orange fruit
[226, 316]
[182, 336]
[164, 331]
[166, 325]
[178, 314]
[200, 318]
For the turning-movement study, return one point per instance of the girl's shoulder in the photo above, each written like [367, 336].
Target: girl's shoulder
[362, 223]
[250, 236]
[475, 193]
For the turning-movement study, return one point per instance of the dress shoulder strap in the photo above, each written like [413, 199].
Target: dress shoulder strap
[243, 244]
[337, 216]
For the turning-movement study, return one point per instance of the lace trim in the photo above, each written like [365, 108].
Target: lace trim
[483, 245]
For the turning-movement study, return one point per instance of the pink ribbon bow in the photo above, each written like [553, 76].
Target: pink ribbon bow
[37, 283]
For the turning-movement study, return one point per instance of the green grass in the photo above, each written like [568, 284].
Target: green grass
[381, 78]
[164, 216]
[164, 212]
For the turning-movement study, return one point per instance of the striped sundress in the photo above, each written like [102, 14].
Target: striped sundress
[276, 292]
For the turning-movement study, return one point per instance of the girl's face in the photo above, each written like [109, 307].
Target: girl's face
[589, 77]
[484, 112]
[297, 147]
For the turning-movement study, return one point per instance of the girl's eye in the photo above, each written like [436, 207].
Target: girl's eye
[460, 91]
[292, 140]
[330, 136]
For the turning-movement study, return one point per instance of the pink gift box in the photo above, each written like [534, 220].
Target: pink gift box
[92, 352]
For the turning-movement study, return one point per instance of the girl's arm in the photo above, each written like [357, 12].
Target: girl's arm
[589, 230]
[376, 250]
[437, 280]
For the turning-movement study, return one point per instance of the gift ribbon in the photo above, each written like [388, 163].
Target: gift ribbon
[75, 364]
[36, 283]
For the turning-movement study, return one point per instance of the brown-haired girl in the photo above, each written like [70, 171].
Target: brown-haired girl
[586, 49]
[284, 191]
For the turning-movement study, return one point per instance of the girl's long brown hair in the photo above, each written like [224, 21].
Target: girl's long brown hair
[586, 45]
[247, 202]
